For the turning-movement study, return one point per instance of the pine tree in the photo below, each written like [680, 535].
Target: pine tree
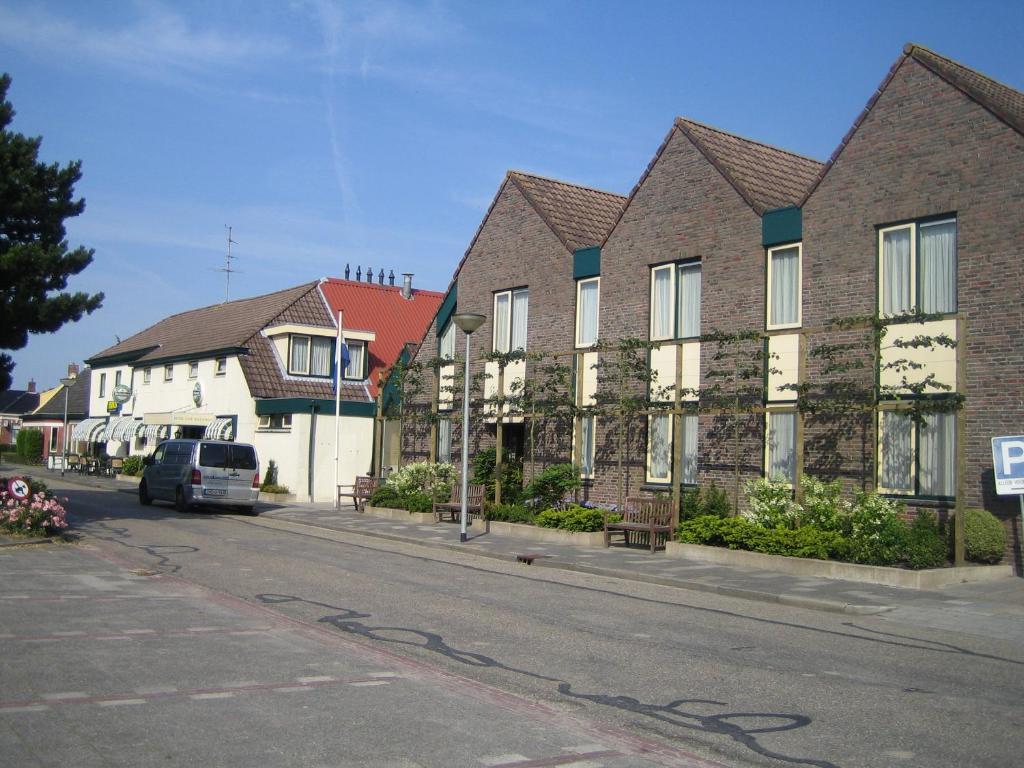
[35, 263]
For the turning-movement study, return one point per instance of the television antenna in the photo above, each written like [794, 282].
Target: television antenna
[227, 269]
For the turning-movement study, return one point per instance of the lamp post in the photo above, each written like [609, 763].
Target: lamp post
[64, 447]
[468, 322]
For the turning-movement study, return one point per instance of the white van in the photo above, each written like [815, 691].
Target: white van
[194, 472]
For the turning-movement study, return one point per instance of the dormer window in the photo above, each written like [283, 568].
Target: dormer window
[309, 355]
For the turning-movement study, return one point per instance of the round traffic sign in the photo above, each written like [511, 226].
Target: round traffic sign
[18, 488]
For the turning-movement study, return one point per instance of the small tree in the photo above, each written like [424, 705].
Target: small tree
[35, 199]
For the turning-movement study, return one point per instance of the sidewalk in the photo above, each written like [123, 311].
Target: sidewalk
[994, 609]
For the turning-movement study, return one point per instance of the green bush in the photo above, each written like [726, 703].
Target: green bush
[771, 503]
[132, 466]
[874, 531]
[386, 496]
[30, 445]
[821, 506]
[925, 545]
[511, 513]
[484, 462]
[274, 488]
[709, 500]
[984, 536]
[573, 518]
[742, 533]
[418, 502]
[270, 476]
[552, 485]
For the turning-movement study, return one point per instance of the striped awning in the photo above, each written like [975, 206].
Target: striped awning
[89, 430]
[155, 432]
[123, 428]
[219, 429]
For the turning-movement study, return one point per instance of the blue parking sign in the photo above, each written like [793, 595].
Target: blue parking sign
[1008, 462]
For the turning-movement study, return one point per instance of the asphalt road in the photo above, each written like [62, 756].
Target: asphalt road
[477, 661]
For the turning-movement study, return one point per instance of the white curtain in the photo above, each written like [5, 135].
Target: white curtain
[937, 455]
[782, 446]
[660, 447]
[661, 304]
[588, 304]
[689, 468]
[896, 272]
[354, 369]
[689, 301]
[300, 354]
[785, 266]
[520, 312]
[446, 348]
[587, 445]
[501, 307]
[897, 456]
[938, 267]
[444, 440]
[320, 357]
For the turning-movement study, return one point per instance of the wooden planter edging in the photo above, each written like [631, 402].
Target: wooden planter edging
[829, 569]
[518, 530]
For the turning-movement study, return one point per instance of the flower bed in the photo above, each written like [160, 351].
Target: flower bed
[40, 514]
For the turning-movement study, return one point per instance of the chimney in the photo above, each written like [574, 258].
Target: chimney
[346, 272]
[407, 285]
[72, 370]
[380, 277]
[31, 386]
[391, 277]
[359, 273]
[369, 274]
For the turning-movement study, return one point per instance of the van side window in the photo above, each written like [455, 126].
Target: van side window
[179, 453]
[213, 455]
[158, 454]
[243, 457]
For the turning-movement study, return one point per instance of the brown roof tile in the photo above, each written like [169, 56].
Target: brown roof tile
[1004, 102]
[765, 176]
[579, 216]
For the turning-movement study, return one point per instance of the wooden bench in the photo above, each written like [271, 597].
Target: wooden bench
[474, 502]
[360, 491]
[650, 516]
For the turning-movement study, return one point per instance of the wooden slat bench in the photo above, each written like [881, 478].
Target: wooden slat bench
[642, 515]
[474, 502]
[360, 492]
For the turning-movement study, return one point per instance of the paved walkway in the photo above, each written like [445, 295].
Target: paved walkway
[993, 609]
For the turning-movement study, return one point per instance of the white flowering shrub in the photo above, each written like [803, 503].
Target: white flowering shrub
[771, 503]
[821, 505]
[423, 477]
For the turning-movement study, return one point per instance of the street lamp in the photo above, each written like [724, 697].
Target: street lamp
[468, 322]
[64, 448]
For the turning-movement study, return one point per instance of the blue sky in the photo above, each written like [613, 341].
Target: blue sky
[377, 133]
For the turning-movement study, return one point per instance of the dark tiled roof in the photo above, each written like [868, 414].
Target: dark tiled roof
[18, 401]
[220, 326]
[765, 176]
[78, 400]
[1004, 102]
[579, 216]
[381, 309]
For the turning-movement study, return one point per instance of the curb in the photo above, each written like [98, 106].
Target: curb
[7, 542]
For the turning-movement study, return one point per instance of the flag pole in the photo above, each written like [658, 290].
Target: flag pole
[337, 404]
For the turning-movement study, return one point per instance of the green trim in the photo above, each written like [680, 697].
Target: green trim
[269, 406]
[447, 308]
[782, 225]
[586, 262]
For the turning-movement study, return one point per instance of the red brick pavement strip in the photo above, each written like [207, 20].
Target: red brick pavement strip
[625, 742]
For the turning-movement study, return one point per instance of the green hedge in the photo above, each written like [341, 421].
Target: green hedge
[984, 536]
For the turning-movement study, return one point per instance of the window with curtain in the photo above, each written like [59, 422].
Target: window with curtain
[675, 301]
[917, 459]
[444, 440]
[298, 358]
[917, 268]
[784, 287]
[587, 301]
[659, 448]
[446, 344]
[587, 426]
[320, 356]
[103, 386]
[662, 289]
[689, 461]
[511, 312]
[688, 300]
[780, 453]
[356, 368]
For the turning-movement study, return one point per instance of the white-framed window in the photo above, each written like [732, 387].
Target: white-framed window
[193, 369]
[356, 368]
[675, 301]
[103, 386]
[309, 355]
[117, 378]
[275, 421]
[588, 426]
[54, 434]
[446, 343]
[659, 448]
[168, 372]
[511, 312]
[784, 270]
[917, 268]
[444, 440]
[780, 445]
[588, 299]
[220, 366]
[147, 375]
[917, 459]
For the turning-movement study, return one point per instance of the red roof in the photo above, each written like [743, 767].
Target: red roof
[381, 309]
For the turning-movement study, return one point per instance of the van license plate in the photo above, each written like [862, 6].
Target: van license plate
[213, 492]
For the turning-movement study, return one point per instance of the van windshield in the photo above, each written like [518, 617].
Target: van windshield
[243, 457]
[213, 455]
